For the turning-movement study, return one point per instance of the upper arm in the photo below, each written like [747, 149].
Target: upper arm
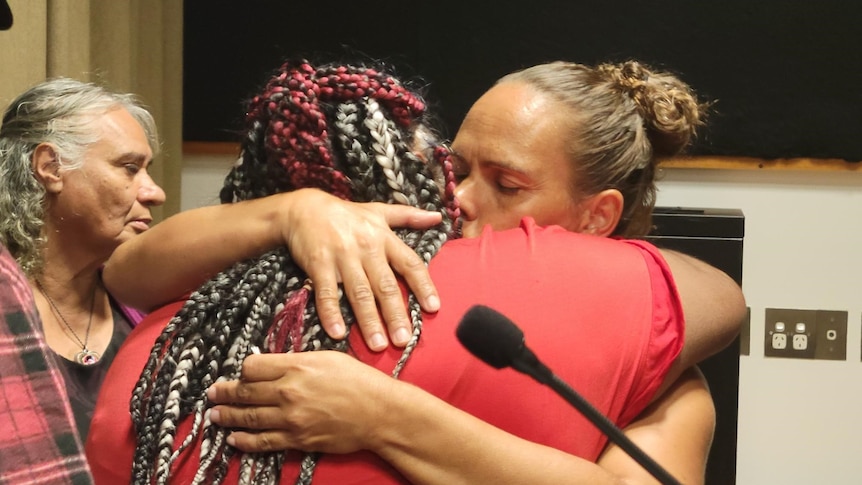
[676, 431]
[712, 303]
[183, 251]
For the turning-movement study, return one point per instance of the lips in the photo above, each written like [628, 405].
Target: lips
[141, 225]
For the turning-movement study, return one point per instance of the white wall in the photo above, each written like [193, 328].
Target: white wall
[203, 176]
[799, 420]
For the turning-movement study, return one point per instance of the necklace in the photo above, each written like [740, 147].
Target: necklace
[85, 356]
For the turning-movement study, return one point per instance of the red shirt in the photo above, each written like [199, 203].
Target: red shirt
[603, 314]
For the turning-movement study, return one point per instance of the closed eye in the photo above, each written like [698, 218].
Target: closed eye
[508, 182]
[508, 189]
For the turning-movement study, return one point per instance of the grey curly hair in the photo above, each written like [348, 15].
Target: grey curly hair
[58, 111]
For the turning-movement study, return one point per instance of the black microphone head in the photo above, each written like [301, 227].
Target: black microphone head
[490, 336]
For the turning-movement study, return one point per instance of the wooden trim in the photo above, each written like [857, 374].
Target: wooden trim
[750, 163]
[718, 163]
[210, 148]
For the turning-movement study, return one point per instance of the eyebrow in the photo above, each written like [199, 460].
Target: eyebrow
[492, 163]
[456, 155]
[135, 157]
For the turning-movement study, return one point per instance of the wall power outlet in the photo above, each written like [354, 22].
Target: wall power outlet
[805, 334]
[790, 333]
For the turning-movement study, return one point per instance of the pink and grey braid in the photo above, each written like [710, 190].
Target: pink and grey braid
[348, 130]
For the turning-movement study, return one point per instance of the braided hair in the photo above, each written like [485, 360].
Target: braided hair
[353, 131]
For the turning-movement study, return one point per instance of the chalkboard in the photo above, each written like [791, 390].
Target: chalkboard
[785, 76]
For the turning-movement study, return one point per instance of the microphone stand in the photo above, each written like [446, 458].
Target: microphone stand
[538, 371]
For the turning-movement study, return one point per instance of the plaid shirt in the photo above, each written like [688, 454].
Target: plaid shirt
[38, 442]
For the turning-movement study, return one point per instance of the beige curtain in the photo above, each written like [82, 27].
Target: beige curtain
[126, 45]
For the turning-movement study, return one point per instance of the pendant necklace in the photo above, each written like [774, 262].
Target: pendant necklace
[85, 356]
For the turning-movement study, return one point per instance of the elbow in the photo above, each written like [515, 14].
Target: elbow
[737, 309]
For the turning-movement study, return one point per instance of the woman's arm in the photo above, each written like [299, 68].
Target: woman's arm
[713, 306]
[332, 240]
[676, 431]
[332, 403]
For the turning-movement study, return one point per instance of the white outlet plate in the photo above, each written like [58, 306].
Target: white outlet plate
[790, 333]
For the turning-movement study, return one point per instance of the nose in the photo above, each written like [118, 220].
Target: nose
[149, 193]
[466, 200]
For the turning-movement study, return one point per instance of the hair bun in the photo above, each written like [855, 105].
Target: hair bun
[669, 106]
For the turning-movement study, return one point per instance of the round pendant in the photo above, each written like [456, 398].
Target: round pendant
[87, 357]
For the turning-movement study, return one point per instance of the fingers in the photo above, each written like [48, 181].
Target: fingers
[406, 216]
[248, 417]
[362, 285]
[241, 392]
[404, 260]
[357, 248]
[327, 300]
[411, 267]
[266, 419]
[322, 400]
[373, 289]
[263, 441]
[357, 273]
[267, 367]
[390, 299]
[369, 283]
[374, 285]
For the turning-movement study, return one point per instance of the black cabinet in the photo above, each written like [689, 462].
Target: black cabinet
[714, 236]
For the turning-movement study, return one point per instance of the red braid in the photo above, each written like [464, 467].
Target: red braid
[296, 134]
[443, 156]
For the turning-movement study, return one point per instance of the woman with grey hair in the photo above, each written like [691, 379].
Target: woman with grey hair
[74, 186]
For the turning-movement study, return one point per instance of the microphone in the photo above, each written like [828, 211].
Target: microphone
[497, 341]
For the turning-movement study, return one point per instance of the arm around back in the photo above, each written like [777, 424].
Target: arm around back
[676, 431]
[713, 305]
[333, 240]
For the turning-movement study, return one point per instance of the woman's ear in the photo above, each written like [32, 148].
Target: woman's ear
[46, 167]
[603, 212]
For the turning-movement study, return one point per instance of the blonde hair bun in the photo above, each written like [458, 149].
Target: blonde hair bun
[671, 111]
